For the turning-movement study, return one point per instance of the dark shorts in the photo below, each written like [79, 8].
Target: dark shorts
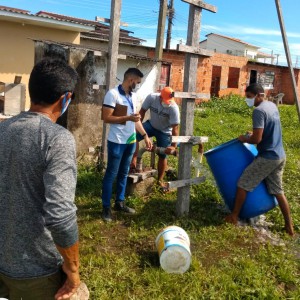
[162, 139]
[260, 169]
[42, 288]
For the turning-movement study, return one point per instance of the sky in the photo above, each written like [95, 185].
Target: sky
[255, 21]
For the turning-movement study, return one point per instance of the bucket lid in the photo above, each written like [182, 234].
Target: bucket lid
[175, 259]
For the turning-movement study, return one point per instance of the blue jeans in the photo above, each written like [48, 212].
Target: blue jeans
[162, 139]
[118, 164]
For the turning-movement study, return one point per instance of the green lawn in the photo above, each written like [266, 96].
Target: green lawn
[119, 260]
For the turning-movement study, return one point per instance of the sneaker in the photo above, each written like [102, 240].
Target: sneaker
[120, 206]
[106, 214]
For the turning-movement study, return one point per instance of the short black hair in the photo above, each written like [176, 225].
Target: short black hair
[133, 71]
[255, 89]
[50, 79]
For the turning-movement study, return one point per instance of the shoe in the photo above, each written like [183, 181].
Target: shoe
[120, 206]
[106, 214]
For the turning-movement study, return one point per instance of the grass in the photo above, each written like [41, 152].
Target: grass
[119, 260]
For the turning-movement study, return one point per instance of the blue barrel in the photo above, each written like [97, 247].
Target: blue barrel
[227, 163]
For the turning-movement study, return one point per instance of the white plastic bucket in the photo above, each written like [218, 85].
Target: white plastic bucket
[173, 246]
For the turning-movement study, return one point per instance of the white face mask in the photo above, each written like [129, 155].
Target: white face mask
[136, 87]
[165, 105]
[250, 101]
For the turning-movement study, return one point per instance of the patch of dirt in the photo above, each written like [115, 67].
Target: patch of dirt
[115, 238]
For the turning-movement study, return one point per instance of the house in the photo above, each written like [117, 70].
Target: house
[228, 45]
[17, 26]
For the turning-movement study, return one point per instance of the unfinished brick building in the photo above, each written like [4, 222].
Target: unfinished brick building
[223, 74]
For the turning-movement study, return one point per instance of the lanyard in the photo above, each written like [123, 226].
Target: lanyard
[129, 100]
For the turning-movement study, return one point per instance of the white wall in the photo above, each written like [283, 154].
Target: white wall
[148, 82]
[223, 45]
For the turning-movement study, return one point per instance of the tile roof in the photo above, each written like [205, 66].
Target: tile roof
[16, 10]
[28, 14]
[101, 30]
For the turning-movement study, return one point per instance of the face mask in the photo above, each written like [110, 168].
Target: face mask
[250, 101]
[165, 105]
[65, 104]
[135, 87]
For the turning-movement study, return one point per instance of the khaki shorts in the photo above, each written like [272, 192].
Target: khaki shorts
[43, 288]
[260, 169]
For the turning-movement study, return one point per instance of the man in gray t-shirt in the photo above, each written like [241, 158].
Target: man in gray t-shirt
[164, 122]
[270, 161]
[38, 224]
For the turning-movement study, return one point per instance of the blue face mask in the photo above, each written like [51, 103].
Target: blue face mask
[65, 104]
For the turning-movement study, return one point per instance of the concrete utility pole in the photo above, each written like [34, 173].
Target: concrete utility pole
[160, 37]
[171, 13]
[288, 55]
[112, 62]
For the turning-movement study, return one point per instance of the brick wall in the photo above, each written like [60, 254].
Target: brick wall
[204, 73]
[282, 82]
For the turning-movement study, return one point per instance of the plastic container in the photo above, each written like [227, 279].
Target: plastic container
[227, 163]
[173, 246]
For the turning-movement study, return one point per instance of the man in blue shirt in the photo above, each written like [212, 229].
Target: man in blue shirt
[270, 161]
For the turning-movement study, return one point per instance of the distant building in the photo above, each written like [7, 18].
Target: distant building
[17, 26]
[232, 46]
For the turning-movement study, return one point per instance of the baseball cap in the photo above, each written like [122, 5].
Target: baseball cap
[167, 95]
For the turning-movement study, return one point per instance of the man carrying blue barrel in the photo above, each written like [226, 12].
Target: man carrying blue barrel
[270, 161]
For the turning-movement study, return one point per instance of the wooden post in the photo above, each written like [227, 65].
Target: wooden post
[288, 55]
[187, 110]
[112, 62]
[160, 38]
[188, 104]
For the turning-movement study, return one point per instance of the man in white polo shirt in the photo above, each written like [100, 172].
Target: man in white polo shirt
[121, 140]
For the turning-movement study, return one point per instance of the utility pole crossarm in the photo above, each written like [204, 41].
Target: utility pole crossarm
[203, 5]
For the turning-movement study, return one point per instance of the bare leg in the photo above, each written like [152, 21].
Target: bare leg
[161, 168]
[285, 210]
[240, 198]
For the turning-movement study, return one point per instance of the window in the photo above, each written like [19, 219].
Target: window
[267, 79]
[233, 78]
[164, 76]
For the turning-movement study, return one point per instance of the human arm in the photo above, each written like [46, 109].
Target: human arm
[139, 127]
[254, 138]
[175, 132]
[108, 117]
[109, 105]
[59, 210]
[71, 269]
[142, 114]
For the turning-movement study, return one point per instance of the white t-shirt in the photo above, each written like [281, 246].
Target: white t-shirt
[121, 134]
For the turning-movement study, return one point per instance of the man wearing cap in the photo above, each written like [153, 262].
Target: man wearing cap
[164, 122]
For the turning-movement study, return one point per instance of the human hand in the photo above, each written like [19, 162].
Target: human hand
[134, 117]
[148, 143]
[243, 138]
[71, 284]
